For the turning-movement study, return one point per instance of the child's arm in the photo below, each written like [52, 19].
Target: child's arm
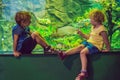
[83, 35]
[15, 41]
[106, 41]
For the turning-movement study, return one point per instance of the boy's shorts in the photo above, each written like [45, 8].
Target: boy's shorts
[92, 49]
[28, 45]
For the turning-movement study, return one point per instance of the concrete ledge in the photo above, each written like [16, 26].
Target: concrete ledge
[102, 66]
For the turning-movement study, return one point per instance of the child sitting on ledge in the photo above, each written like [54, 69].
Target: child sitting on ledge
[93, 44]
[25, 41]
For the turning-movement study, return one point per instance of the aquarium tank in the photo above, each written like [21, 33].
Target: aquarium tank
[58, 20]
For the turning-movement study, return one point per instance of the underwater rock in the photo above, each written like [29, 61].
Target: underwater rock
[66, 30]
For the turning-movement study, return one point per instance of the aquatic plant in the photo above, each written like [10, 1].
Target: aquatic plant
[112, 10]
[60, 17]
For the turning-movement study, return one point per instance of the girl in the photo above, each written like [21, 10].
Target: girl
[93, 44]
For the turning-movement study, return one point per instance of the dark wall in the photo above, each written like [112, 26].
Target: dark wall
[50, 67]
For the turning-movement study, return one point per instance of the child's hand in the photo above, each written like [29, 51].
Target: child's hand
[79, 32]
[106, 50]
[16, 54]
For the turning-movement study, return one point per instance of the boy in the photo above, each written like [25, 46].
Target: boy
[25, 41]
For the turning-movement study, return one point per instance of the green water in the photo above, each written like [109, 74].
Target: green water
[57, 20]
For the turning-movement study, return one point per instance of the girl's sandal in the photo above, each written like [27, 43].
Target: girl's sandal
[62, 55]
[82, 76]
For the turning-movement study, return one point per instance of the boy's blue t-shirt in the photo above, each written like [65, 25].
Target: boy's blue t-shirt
[23, 34]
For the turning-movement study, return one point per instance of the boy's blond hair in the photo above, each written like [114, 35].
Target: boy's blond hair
[22, 16]
[97, 15]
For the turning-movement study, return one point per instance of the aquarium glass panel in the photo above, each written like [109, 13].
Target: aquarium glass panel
[58, 20]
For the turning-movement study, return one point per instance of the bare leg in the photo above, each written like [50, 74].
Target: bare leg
[83, 58]
[39, 39]
[75, 50]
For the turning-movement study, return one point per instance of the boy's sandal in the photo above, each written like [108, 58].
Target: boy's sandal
[80, 76]
[49, 49]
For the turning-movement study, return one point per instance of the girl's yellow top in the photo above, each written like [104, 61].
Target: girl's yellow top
[95, 37]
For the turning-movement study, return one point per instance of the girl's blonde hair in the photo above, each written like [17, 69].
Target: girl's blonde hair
[22, 16]
[97, 15]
